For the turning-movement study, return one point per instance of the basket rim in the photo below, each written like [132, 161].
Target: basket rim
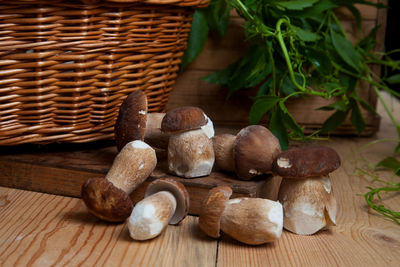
[186, 3]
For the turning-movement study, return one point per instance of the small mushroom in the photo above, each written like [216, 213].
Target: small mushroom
[131, 121]
[306, 191]
[249, 154]
[190, 150]
[135, 123]
[252, 221]
[166, 202]
[108, 198]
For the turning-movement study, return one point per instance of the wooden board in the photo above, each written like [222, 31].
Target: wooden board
[40, 230]
[218, 54]
[62, 169]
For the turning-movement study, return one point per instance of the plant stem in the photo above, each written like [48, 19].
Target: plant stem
[369, 197]
[271, 58]
[279, 36]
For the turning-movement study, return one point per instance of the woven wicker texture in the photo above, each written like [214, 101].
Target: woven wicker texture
[65, 66]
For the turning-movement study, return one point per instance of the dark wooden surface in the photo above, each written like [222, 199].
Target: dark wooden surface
[62, 169]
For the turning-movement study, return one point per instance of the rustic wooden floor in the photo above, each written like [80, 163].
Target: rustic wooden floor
[38, 229]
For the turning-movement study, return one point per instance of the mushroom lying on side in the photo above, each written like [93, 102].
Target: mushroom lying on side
[166, 202]
[108, 198]
[306, 191]
[249, 153]
[253, 221]
[190, 150]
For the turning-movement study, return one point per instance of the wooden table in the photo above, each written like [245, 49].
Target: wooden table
[39, 229]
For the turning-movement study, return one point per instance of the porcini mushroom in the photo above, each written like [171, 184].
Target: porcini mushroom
[135, 123]
[249, 154]
[108, 198]
[252, 221]
[306, 191]
[190, 150]
[166, 202]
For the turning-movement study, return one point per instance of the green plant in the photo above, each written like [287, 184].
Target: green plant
[297, 49]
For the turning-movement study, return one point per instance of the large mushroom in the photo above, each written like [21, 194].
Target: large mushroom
[108, 198]
[166, 202]
[306, 190]
[190, 150]
[253, 221]
[135, 123]
[250, 153]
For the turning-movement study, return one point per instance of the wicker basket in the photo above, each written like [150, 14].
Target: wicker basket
[65, 66]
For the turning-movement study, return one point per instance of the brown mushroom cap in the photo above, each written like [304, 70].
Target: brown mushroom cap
[131, 121]
[178, 190]
[308, 161]
[255, 149]
[106, 201]
[212, 208]
[183, 119]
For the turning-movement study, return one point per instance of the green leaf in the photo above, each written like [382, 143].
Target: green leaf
[340, 105]
[346, 51]
[197, 38]
[334, 121]
[316, 10]
[296, 4]
[220, 77]
[390, 163]
[278, 128]
[249, 70]
[368, 42]
[356, 14]
[306, 36]
[264, 88]
[217, 15]
[320, 60]
[348, 82]
[288, 87]
[261, 106]
[365, 105]
[356, 117]
[289, 121]
[397, 149]
[394, 79]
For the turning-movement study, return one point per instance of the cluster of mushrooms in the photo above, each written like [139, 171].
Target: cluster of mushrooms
[305, 201]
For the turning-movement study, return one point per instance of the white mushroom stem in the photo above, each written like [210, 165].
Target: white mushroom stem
[223, 150]
[151, 215]
[252, 221]
[190, 154]
[309, 204]
[153, 134]
[208, 129]
[131, 167]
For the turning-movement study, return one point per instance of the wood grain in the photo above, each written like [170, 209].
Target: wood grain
[361, 236]
[45, 230]
[63, 171]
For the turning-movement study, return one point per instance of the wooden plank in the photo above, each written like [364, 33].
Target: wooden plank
[361, 237]
[63, 172]
[41, 230]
